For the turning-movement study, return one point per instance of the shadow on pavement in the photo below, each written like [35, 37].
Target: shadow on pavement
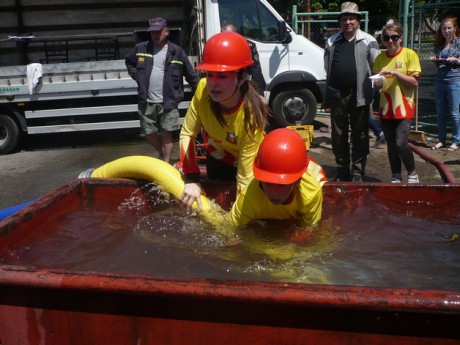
[80, 139]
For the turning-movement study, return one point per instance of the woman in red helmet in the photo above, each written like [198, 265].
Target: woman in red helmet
[287, 183]
[228, 107]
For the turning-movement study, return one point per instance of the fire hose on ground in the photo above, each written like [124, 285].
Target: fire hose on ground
[446, 175]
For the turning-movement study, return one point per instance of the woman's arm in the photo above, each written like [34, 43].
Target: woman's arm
[189, 131]
[401, 78]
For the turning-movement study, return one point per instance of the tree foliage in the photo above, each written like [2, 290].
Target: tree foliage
[379, 10]
[380, 7]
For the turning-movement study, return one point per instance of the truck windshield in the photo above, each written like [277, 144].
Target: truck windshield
[251, 18]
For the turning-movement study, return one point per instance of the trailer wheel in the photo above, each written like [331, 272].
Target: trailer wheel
[294, 107]
[10, 136]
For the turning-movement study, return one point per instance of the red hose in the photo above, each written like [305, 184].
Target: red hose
[446, 175]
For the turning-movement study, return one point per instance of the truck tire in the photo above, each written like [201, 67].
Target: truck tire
[10, 135]
[294, 107]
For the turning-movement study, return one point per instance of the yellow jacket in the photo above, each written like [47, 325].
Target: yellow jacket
[252, 203]
[231, 144]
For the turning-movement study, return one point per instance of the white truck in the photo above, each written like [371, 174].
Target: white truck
[80, 48]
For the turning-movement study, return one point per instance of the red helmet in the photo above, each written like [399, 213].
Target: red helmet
[282, 157]
[226, 51]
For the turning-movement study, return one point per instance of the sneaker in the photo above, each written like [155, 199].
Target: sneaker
[343, 175]
[357, 177]
[395, 180]
[412, 178]
[454, 147]
[438, 146]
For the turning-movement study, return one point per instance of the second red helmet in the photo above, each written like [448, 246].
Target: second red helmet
[282, 157]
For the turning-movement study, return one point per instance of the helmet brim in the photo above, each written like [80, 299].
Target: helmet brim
[208, 67]
[270, 177]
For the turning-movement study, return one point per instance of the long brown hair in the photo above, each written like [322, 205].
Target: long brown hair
[255, 110]
[439, 40]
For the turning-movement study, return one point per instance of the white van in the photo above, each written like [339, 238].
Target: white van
[292, 65]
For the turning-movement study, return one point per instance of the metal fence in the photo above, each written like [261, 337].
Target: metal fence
[423, 22]
[319, 26]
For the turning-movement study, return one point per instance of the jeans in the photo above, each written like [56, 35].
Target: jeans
[448, 93]
[345, 114]
[373, 123]
[375, 126]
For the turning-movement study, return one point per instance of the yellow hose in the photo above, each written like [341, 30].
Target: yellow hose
[162, 173]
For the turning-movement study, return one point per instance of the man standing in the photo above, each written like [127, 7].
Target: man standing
[348, 60]
[159, 66]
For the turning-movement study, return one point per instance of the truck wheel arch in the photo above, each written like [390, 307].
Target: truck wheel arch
[12, 127]
[294, 97]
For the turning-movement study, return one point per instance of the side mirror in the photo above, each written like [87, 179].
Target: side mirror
[283, 30]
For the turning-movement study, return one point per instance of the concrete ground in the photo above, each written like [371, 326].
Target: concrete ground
[46, 162]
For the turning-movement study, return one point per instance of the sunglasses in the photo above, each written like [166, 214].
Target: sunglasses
[394, 38]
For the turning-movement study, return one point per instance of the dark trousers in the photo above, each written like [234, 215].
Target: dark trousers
[350, 123]
[216, 170]
[397, 137]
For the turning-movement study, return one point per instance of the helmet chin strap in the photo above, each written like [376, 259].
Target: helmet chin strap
[239, 82]
[236, 89]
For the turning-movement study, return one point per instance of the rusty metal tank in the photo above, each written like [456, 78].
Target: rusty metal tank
[40, 305]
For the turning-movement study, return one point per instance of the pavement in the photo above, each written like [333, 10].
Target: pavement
[46, 162]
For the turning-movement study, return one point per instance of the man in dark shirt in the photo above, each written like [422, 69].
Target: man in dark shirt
[348, 60]
[344, 55]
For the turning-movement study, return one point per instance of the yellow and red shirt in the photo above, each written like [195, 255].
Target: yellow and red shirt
[306, 204]
[397, 101]
[231, 144]
[315, 170]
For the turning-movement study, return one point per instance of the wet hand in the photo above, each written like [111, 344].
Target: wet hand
[300, 235]
[192, 193]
